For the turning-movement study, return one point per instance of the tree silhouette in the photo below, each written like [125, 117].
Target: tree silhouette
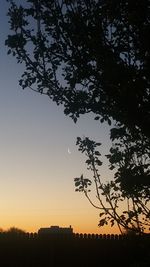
[88, 55]
[93, 56]
[125, 204]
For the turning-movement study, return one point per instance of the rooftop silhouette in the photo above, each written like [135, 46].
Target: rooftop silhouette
[56, 230]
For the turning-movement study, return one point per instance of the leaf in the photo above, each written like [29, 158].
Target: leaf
[109, 121]
[112, 222]
[112, 167]
[77, 184]
[102, 222]
[97, 118]
[97, 153]
[98, 144]
[98, 162]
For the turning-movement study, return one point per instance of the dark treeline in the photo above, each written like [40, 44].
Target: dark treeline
[33, 250]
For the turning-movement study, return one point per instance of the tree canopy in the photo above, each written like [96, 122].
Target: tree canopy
[93, 56]
[89, 55]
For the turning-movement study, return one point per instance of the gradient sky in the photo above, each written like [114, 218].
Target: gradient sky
[36, 170]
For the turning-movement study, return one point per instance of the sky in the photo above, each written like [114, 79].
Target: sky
[36, 170]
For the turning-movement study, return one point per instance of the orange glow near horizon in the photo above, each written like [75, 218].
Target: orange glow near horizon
[80, 230]
[81, 222]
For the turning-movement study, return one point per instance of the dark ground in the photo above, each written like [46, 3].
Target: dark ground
[22, 251]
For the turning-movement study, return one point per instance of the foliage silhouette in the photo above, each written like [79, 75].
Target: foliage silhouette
[128, 208]
[94, 56]
[88, 55]
[15, 231]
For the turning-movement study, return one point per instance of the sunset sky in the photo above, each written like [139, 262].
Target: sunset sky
[36, 170]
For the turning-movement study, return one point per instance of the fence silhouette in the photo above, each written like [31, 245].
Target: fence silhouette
[78, 236]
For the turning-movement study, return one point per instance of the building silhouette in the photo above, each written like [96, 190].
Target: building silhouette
[56, 230]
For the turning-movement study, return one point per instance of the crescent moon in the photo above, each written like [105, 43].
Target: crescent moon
[69, 152]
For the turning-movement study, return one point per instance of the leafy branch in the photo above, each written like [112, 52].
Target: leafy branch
[127, 211]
